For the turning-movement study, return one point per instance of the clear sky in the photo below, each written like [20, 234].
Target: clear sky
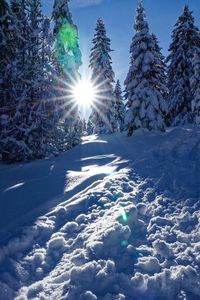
[118, 16]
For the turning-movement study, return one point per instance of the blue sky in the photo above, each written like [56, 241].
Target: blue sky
[119, 19]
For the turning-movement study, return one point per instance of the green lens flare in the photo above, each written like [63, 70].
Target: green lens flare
[124, 243]
[124, 215]
[68, 35]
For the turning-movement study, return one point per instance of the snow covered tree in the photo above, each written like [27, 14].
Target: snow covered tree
[195, 88]
[46, 52]
[66, 51]
[103, 111]
[162, 67]
[7, 67]
[185, 41]
[5, 53]
[34, 104]
[25, 140]
[90, 129]
[21, 45]
[119, 107]
[35, 18]
[67, 58]
[84, 126]
[162, 74]
[144, 89]
[37, 120]
[48, 93]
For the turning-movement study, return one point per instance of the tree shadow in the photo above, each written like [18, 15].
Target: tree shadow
[29, 190]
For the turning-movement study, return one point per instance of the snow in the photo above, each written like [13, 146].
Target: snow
[113, 218]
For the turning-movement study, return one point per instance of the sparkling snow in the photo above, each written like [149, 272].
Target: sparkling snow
[114, 218]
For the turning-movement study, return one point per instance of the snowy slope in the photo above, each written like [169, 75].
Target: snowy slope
[115, 218]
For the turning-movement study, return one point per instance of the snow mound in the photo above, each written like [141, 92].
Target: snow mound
[134, 234]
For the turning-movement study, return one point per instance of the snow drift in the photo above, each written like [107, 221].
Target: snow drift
[130, 231]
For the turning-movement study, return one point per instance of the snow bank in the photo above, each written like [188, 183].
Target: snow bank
[135, 234]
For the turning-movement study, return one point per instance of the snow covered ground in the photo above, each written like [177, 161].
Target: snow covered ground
[115, 218]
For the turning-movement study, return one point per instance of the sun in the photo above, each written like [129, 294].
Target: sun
[84, 93]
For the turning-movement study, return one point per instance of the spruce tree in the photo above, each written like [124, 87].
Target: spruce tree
[195, 88]
[90, 129]
[103, 110]
[67, 58]
[48, 93]
[8, 35]
[19, 12]
[119, 107]
[5, 53]
[25, 140]
[84, 126]
[46, 52]
[66, 51]
[33, 104]
[162, 67]
[144, 89]
[162, 75]
[185, 41]
[4, 58]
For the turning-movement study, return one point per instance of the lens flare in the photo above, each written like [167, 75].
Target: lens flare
[124, 215]
[68, 35]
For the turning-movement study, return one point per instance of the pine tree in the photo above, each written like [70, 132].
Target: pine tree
[66, 50]
[25, 140]
[185, 41]
[67, 58]
[162, 67]
[5, 53]
[46, 53]
[103, 111]
[162, 75]
[195, 88]
[84, 126]
[4, 58]
[90, 128]
[48, 93]
[21, 46]
[7, 66]
[144, 89]
[119, 107]
[34, 105]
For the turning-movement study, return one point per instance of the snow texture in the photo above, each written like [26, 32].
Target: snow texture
[123, 224]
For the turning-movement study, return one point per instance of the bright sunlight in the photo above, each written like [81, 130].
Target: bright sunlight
[84, 93]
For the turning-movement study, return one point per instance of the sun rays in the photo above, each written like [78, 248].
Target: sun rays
[85, 94]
